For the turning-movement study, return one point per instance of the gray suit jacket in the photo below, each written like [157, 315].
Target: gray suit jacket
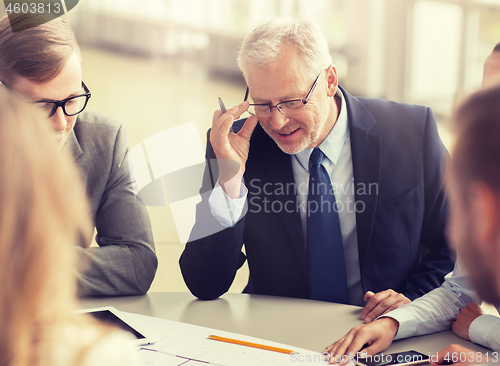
[125, 262]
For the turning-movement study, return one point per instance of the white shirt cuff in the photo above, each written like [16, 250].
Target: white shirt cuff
[407, 322]
[481, 331]
[227, 211]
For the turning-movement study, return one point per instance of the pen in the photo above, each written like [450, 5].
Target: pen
[223, 110]
[250, 344]
[222, 106]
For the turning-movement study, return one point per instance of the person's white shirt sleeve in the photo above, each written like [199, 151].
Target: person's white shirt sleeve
[227, 211]
[485, 330]
[436, 310]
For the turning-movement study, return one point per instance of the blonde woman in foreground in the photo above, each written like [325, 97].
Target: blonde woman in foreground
[43, 213]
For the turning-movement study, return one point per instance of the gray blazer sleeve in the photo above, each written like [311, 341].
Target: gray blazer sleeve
[125, 261]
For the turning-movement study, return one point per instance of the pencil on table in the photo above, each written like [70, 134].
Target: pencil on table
[250, 344]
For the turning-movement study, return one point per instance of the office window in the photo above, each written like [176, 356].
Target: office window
[484, 33]
[435, 49]
[448, 43]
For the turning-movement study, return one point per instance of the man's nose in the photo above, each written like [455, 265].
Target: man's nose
[58, 120]
[278, 119]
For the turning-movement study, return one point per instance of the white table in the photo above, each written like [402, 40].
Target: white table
[302, 323]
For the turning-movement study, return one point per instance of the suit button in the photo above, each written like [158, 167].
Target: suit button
[207, 247]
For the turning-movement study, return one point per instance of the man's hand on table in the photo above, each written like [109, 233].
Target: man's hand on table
[467, 315]
[381, 303]
[378, 335]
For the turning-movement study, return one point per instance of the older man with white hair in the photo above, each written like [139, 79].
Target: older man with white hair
[336, 198]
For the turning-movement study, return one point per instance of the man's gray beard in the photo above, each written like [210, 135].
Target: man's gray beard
[308, 140]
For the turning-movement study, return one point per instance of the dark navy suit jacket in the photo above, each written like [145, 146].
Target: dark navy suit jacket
[401, 230]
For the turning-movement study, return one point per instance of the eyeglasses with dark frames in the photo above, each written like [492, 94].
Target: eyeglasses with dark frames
[286, 107]
[71, 106]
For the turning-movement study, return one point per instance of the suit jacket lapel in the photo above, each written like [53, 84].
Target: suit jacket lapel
[366, 161]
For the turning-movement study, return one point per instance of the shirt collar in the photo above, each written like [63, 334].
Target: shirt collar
[333, 143]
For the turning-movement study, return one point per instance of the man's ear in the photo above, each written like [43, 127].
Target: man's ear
[486, 215]
[491, 69]
[332, 81]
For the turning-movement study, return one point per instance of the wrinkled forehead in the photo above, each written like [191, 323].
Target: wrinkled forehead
[281, 78]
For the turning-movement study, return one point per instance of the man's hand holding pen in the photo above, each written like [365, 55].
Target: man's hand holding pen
[231, 147]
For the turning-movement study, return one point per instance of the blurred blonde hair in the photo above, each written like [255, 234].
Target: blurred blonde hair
[43, 213]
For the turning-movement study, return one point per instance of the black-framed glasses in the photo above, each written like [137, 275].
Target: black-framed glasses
[287, 107]
[71, 106]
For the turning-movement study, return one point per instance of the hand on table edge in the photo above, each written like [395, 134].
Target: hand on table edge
[378, 335]
[463, 321]
[381, 303]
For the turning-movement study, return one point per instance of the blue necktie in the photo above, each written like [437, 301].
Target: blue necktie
[325, 251]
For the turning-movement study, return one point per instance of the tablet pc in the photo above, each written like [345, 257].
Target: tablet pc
[112, 316]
